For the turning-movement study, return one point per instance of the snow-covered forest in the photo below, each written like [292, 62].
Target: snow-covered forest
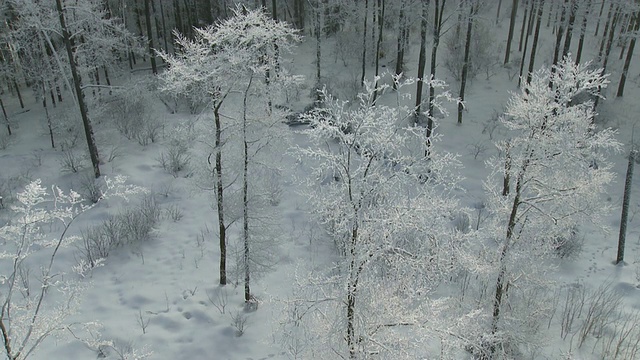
[319, 179]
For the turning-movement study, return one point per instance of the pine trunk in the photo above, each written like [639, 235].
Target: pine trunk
[6, 118]
[627, 61]
[152, 55]
[77, 82]
[525, 22]
[625, 207]
[465, 64]
[364, 41]
[222, 228]
[535, 41]
[381, 6]
[583, 30]
[572, 20]
[526, 42]
[512, 23]
[422, 58]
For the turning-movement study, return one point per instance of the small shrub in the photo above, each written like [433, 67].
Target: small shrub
[90, 188]
[461, 222]
[175, 159]
[71, 160]
[570, 246]
[239, 322]
[174, 212]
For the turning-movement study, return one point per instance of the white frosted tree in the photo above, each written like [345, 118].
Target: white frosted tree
[239, 55]
[550, 178]
[30, 313]
[387, 207]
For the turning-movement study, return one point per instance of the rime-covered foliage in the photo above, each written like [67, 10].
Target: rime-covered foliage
[549, 179]
[387, 207]
[35, 35]
[222, 57]
[27, 314]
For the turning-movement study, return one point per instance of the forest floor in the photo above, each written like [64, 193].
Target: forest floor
[163, 295]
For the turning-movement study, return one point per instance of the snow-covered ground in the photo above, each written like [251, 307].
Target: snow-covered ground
[162, 295]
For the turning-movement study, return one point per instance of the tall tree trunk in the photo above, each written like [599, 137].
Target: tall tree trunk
[401, 40]
[204, 12]
[77, 82]
[627, 61]
[625, 28]
[607, 51]
[381, 6]
[525, 22]
[583, 30]
[572, 20]
[498, 12]
[437, 31]
[245, 197]
[15, 85]
[512, 23]
[152, 55]
[465, 64]
[46, 113]
[178, 17]
[605, 34]
[222, 227]
[526, 41]
[625, 206]
[536, 35]
[559, 33]
[165, 35]
[600, 17]
[6, 118]
[364, 41]
[422, 58]
[274, 10]
[318, 34]
[500, 281]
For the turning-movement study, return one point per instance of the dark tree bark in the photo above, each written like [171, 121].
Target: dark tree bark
[536, 35]
[559, 33]
[607, 50]
[178, 17]
[625, 28]
[422, 58]
[381, 6]
[572, 20]
[222, 228]
[318, 34]
[627, 61]
[6, 118]
[525, 22]
[583, 30]
[526, 41]
[46, 113]
[600, 17]
[465, 64]
[402, 24]
[274, 10]
[204, 12]
[437, 31]
[245, 198]
[165, 34]
[77, 82]
[152, 55]
[17, 88]
[605, 34]
[625, 207]
[364, 41]
[512, 23]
